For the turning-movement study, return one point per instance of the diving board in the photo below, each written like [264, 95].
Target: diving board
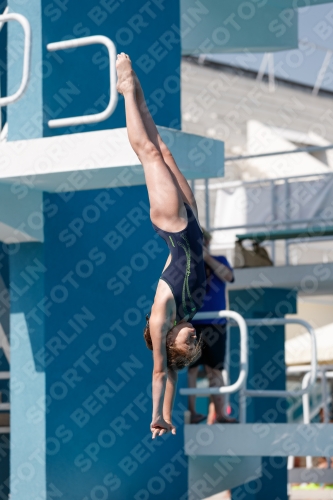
[259, 439]
[101, 159]
[287, 234]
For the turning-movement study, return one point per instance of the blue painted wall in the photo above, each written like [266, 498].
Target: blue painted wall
[103, 260]
[4, 313]
[25, 116]
[80, 326]
[149, 33]
[4, 274]
[4, 366]
[27, 382]
[76, 82]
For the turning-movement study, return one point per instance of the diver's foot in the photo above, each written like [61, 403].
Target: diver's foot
[125, 74]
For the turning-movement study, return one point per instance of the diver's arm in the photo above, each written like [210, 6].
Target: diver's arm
[169, 398]
[158, 331]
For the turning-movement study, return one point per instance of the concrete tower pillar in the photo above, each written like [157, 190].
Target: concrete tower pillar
[266, 372]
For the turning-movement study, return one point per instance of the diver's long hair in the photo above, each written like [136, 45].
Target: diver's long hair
[177, 357]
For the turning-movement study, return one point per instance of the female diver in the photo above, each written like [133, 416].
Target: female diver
[181, 287]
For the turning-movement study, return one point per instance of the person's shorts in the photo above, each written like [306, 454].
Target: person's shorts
[214, 339]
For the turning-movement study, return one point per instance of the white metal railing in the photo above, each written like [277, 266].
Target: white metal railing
[3, 14]
[206, 186]
[306, 406]
[97, 117]
[63, 45]
[316, 392]
[243, 371]
[4, 375]
[307, 149]
[4, 18]
[240, 384]
[244, 393]
[4, 344]
[324, 373]
[313, 365]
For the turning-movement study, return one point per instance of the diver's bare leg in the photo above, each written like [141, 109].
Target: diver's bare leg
[192, 375]
[155, 137]
[166, 205]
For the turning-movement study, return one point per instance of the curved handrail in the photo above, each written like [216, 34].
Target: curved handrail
[97, 117]
[313, 370]
[4, 101]
[324, 373]
[241, 381]
[4, 344]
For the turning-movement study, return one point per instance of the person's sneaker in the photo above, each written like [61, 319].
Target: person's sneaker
[196, 418]
[226, 420]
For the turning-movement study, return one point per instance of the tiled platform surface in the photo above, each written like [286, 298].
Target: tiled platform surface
[321, 494]
[225, 495]
[294, 495]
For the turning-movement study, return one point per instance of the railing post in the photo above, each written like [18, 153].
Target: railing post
[240, 381]
[207, 214]
[273, 218]
[325, 406]
[23, 21]
[242, 407]
[306, 412]
[4, 367]
[287, 218]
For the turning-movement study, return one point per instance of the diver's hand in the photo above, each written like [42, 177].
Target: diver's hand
[159, 427]
[172, 428]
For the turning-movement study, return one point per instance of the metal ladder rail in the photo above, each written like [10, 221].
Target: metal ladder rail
[298, 370]
[4, 101]
[240, 384]
[62, 45]
[324, 374]
[244, 393]
[4, 375]
[111, 48]
[23, 21]
[241, 381]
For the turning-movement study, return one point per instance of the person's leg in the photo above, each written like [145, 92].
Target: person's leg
[216, 380]
[214, 336]
[192, 375]
[211, 417]
[155, 137]
[167, 209]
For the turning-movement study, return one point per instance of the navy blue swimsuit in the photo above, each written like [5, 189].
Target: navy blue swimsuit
[185, 274]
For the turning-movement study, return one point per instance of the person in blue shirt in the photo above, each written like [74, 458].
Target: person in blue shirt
[212, 332]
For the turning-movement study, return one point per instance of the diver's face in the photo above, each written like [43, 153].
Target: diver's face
[184, 336]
